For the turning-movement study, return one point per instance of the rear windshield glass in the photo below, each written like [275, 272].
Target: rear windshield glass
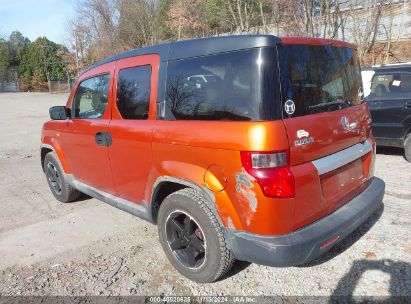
[317, 79]
[390, 85]
[239, 86]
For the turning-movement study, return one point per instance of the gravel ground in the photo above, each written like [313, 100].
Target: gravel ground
[89, 248]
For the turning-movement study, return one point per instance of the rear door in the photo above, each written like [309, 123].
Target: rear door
[390, 105]
[131, 128]
[322, 100]
[84, 138]
[327, 124]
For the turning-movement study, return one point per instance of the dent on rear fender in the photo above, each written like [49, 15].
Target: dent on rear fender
[244, 186]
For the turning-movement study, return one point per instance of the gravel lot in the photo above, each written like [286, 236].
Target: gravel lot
[89, 248]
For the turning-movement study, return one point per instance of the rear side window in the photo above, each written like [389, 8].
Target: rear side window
[90, 101]
[133, 92]
[239, 86]
[390, 86]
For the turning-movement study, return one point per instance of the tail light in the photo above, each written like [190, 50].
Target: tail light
[271, 171]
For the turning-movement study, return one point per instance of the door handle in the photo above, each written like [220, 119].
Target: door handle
[103, 139]
[408, 104]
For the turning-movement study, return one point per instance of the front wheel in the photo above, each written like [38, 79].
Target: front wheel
[192, 237]
[60, 188]
[407, 148]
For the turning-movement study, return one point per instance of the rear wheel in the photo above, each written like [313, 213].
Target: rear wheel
[60, 188]
[192, 238]
[407, 148]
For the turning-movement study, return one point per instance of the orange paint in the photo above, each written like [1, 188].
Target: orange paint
[145, 150]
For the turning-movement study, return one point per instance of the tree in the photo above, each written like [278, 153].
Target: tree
[245, 14]
[163, 7]
[214, 16]
[102, 28]
[138, 23]
[184, 19]
[41, 58]
[17, 44]
[364, 26]
[4, 59]
[95, 29]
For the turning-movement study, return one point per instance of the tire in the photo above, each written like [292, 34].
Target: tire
[407, 147]
[196, 225]
[60, 188]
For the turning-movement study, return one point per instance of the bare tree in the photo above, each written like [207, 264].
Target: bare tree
[138, 25]
[184, 18]
[363, 25]
[245, 14]
[103, 27]
[388, 31]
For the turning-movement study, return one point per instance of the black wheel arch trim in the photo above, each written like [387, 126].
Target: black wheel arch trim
[51, 149]
[206, 193]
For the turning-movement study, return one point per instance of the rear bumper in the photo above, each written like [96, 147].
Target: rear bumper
[304, 244]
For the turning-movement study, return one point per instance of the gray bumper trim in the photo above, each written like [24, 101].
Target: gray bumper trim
[304, 244]
[341, 158]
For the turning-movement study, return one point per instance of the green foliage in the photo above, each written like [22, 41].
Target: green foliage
[41, 59]
[17, 44]
[4, 58]
[215, 15]
[165, 32]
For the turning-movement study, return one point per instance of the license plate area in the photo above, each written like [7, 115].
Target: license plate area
[339, 183]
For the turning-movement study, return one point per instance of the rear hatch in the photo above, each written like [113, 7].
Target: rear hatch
[324, 115]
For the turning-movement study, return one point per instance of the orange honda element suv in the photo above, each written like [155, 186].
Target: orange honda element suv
[254, 148]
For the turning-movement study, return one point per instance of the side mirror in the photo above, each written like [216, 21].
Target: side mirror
[59, 113]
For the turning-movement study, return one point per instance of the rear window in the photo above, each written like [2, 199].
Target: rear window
[317, 79]
[239, 86]
[390, 85]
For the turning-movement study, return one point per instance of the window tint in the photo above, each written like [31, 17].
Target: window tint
[91, 97]
[133, 92]
[319, 78]
[390, 86]
[241, 85]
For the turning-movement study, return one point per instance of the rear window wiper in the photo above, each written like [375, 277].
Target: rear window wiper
[331, 103]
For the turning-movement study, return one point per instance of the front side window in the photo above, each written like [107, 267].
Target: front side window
[319, 78]
[90, 101]
[133, 92]
[390, 86]
[239, 86]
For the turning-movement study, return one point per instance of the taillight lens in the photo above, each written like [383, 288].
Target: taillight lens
[271, 171]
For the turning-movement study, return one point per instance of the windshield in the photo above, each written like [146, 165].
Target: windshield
[317, 79]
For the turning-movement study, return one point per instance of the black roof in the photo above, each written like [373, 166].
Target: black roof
[390, 67]
[197, 47]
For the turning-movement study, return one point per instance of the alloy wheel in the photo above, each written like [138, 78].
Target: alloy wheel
[54, 178]
[186, 239]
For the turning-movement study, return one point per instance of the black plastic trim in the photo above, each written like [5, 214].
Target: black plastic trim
[197, 47]
[304, 244]
[141, 209]
[207, 194]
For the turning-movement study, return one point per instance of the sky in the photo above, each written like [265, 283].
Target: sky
[36, 18]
